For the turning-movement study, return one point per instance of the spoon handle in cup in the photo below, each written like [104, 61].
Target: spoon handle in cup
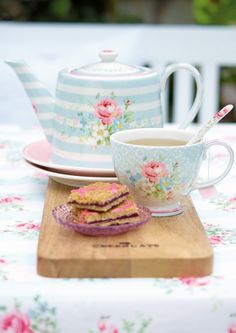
[211, 122]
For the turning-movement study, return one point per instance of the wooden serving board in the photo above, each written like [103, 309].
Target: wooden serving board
[164, 247]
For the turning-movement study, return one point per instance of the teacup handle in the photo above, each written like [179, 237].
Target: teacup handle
[198, 98]
[216, 180]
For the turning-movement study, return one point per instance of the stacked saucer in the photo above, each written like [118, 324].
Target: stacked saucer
[37, 154]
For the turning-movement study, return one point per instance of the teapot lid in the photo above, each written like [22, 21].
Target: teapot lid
[108, 67]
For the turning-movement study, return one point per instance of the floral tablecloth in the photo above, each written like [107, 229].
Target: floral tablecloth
[30, 303]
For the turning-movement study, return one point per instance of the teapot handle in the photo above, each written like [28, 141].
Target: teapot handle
[198, 98]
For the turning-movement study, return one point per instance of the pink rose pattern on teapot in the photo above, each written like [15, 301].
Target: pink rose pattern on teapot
[107, 110]
[107, 115]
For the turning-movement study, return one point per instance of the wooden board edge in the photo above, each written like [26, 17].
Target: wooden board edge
[138, 269]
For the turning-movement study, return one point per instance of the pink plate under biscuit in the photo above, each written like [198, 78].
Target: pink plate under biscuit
[63, 216]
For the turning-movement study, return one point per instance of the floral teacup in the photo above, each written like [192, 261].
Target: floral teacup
[160, 176]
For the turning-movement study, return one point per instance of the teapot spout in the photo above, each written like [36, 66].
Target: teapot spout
[41, 100]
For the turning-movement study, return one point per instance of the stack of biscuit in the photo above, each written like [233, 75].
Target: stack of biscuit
[103, 204]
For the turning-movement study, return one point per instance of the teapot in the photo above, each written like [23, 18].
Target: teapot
[94, 101]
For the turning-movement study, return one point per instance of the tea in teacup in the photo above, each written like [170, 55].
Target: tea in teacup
[154, 142]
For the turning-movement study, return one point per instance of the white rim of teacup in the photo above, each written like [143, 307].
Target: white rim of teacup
[183, 135]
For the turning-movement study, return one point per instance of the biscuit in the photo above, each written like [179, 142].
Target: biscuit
[98, 196]
[126, 212]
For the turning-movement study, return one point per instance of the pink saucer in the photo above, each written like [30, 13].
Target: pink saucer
[39, 153]
[63, 216]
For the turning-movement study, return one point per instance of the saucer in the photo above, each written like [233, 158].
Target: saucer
[71, 180]
[65, 217]
[39, 153]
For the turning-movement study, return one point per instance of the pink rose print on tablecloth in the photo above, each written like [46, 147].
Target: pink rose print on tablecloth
[11, 202]
[107, 110]
[3, 272]
[102, 326]
[3, 261]
[15, 322]
[224, 202]
[7, 200]
[39, 318]
[154, 171]
[105, 325]
[113, 329]
[232, 328]
[215, 240]
[233, 199]
[194, 282]
[28, 226]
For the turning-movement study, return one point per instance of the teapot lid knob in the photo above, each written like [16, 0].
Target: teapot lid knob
[108, 55]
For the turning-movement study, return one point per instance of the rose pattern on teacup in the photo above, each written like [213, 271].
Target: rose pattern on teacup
[156, 179]
[159, 177]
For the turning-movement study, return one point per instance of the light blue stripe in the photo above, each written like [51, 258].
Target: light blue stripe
[17, 64]
[67, 130]
[112, 84]
[80, 148]
[85, 99]
[67, 112]
[49, 138]
[46, 123]
[27, 77]
[71, 114]
[101, 149]
[148, 114]
[44, 108]
[38, 93]
[103, 165]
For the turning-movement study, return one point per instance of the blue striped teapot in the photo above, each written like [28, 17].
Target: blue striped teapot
[94, 101]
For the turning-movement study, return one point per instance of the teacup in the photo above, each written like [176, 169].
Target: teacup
[159, 168]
